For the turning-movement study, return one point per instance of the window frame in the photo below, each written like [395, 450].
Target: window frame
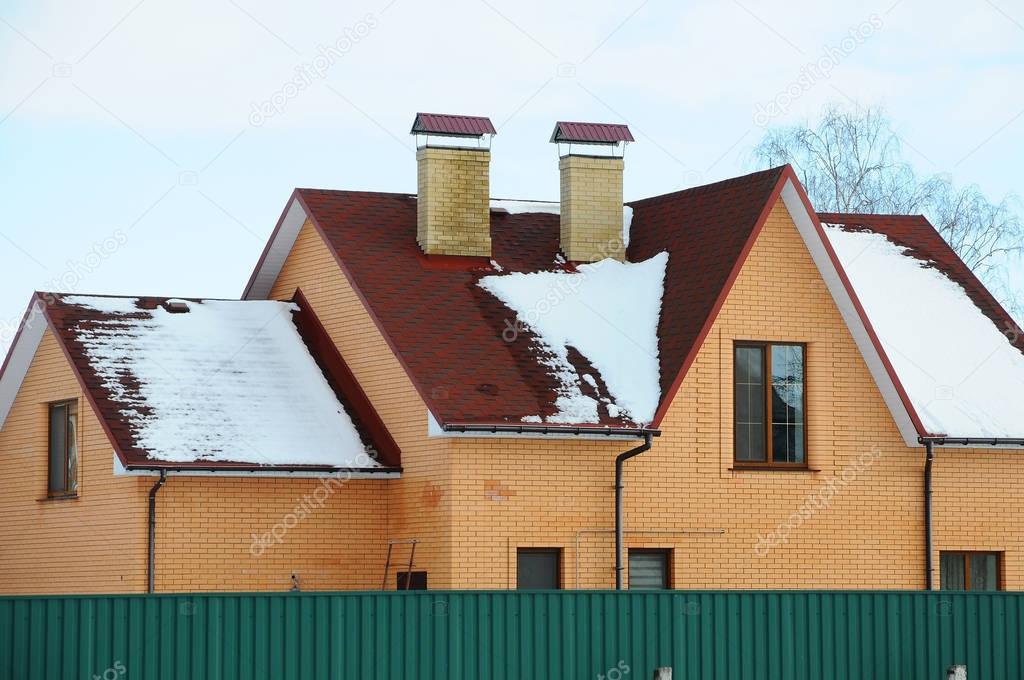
[669, 562]
[71, 406]
[966, 555]
[557, 552]
[766, 366]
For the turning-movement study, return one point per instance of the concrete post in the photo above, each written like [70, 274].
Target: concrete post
[956, 673]
[663, 673]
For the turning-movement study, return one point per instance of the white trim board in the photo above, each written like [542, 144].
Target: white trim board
[20, 357]
[277, 251]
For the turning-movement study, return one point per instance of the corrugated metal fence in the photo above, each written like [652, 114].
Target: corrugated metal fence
[788, 635]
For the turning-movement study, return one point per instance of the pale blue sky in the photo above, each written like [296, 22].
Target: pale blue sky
[132, 122]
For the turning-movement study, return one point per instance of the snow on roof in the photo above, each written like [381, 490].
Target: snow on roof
[609, 312]
[959, 370]
[554, 208]
[225, 381]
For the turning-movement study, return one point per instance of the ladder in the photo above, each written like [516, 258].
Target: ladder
[387, 563]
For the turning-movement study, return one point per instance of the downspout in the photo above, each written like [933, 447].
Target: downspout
[929, 443]
[929, 458]
[619, 460]
[151, 567]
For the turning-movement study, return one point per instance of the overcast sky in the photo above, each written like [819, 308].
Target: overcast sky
[149, 147]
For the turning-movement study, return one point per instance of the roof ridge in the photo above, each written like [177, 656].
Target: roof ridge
[724, 183]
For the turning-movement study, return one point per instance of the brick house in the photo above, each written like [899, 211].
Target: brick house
[447, 380]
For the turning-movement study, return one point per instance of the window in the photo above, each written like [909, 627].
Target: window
[539, 568]
[418, 581]
[649, 569]
[770, 404]
[976, 571]
[63, 457]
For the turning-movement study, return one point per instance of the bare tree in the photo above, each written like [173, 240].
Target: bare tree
[851, 161]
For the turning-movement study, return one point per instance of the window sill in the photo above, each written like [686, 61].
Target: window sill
[59, 497]
[772, 468]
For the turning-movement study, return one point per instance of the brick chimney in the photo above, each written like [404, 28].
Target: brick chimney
[591, 189]
[453, 214]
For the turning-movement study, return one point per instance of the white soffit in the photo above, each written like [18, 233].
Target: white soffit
[277, 251]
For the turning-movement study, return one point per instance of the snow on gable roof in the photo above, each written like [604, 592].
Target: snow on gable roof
[226, 381]
[960, 371]
[447, 332]
[609, 311]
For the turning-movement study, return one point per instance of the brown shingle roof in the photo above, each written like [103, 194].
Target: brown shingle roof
[448, 332]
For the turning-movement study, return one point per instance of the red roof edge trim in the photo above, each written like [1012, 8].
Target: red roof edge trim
[82, 384]
[270, 245]
[346, 387]
[369, 310]
[868, 327]
[691, 356]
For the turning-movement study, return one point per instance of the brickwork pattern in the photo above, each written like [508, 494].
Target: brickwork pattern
[453, 203]
[591, 208]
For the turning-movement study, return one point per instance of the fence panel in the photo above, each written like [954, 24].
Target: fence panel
[499, 635]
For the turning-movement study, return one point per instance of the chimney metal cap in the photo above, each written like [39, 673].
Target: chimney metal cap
[609, 134]
[448, 125]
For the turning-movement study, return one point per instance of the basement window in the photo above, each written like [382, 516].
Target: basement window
[538, 568]
[975, 571]
[416, 580]
[770, 404]
[63, 451]
[649, 569]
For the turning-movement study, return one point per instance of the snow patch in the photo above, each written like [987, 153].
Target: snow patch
[608, 311]
[227, 381]
[627, 222]
[551, 208]
[520, 207]
[960, 371]
[106, 305]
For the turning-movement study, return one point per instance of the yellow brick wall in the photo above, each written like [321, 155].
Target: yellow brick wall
[684, 496]
[591, 208]
[453, 205]
[92, 544]
[230, 533]
[418, 503]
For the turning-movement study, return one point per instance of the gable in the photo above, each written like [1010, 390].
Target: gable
[779, 295]
[466, 352]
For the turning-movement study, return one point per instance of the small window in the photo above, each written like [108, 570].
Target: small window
[649, 569]
[63, 456]
[539, 569]
[976, 571]
[418, 580]
[770, 404]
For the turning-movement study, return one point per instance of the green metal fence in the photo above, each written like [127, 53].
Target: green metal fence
[784, 635]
